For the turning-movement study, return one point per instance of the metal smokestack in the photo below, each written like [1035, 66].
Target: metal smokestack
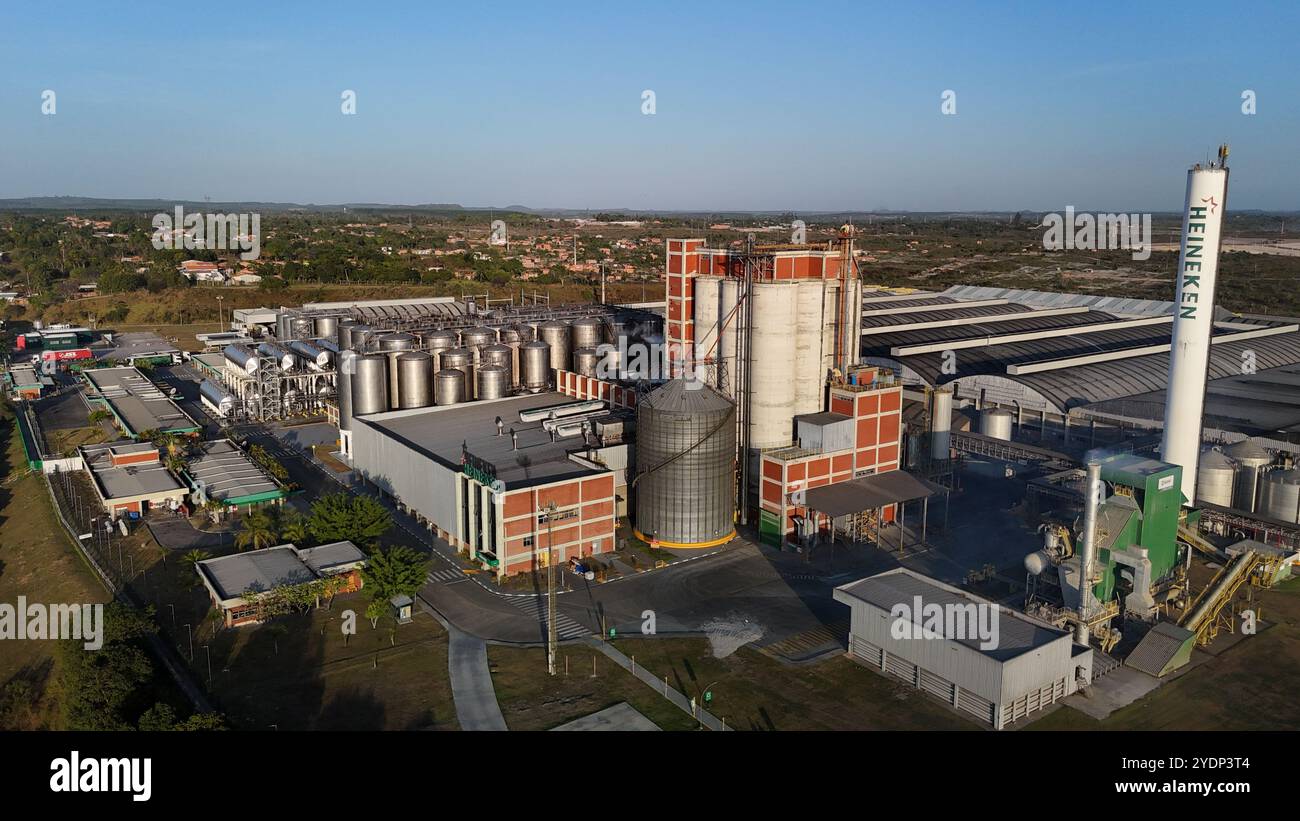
[1088, 548]
[1189, 355]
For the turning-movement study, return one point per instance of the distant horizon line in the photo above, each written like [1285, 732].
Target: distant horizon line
[74, 202]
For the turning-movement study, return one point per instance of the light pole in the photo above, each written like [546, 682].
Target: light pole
[552, 638]
[189, 631]
[208, 650]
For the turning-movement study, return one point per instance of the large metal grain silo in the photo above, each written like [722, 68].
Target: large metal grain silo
[729, 316]
[1250, 459]
[708, 301]
[770, 371]
[808, 333]
[685, 452]
[1215, 474]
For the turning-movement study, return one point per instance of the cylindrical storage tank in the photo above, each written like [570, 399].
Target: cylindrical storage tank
[283, 359]
[996, 422]
[310, 353]
[708, 303]
[1279, 495]
[941, 424]
[770, 371]
[460, 359]
[518, 333]
[729, 337]
[535, 366]
[283, 326]
[242, 357]
[474, 338]
[449, 387]
[609, 362]
[685, 457]
[807, 332]
[396, 341]
[1250, 460]
[435, 342]
[220, 398]
[360, 337]
[325, 327]
[499, 354]
[347, 367]
[414, 380]
[302, 327]
[556, 334]
[493, 382]
[343, 335]
[586, 332]
[584, 361]
[370, 385]
[1214, 477]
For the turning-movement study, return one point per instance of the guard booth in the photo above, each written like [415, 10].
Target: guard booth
[865, 508]
[402, 605]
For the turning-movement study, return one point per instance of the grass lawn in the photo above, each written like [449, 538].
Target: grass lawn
[299, 673]
[38, 561]
[1250, 686]
[531, 699]
[752, 691]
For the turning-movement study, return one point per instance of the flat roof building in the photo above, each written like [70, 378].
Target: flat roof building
[238, 583]
[487, 492]
[222, 472]
[130, 478]
[981, 658]
[136, 403]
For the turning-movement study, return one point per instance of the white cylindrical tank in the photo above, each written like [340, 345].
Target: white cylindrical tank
[770, 370]
[996, 422]
[708, 301]
[1214, 477]
[808, 331]
[1189, 354]
[1279, 495]
[941, 423]
[1250, 459]
[830, 304]
[728, 335]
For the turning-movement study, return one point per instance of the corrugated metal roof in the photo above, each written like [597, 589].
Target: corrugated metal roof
[1017, 633]
[867, 493]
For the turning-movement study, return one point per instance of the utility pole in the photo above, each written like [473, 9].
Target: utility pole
[602, 284]
[552, 637]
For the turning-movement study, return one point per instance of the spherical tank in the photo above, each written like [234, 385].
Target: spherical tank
[685, 457]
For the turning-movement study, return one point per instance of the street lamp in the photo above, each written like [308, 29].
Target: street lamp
[189, 631]
[552, 638]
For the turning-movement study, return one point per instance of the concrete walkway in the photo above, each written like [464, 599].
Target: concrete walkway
[471, 683]
[660, 686]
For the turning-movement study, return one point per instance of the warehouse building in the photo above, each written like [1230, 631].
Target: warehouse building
[129, 478]
[1064, 359]
[236, 584]
[985, 660]
[136, 403]
[222, 472]
[497, 479]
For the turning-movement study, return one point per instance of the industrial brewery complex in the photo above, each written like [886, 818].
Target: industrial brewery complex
[771, 409]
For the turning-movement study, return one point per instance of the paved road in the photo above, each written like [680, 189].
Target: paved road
[179, 534]
[471, 683]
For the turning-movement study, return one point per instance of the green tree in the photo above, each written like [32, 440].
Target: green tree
[258, 531]
[396, 571]
[293, 527]
[97, 685]
[345, 517]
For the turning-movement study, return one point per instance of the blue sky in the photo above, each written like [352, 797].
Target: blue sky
[790, 106]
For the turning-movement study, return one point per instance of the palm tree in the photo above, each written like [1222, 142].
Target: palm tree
[258, 532]
[293, 527]
[193, 557]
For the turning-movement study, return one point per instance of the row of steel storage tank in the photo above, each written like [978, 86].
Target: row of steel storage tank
[384, 370]
[1244, 476]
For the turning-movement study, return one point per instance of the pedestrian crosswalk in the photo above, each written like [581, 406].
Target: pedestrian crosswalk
[535, 606]
[445, 575]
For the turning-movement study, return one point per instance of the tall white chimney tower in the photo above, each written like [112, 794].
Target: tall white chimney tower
[1189, 356]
